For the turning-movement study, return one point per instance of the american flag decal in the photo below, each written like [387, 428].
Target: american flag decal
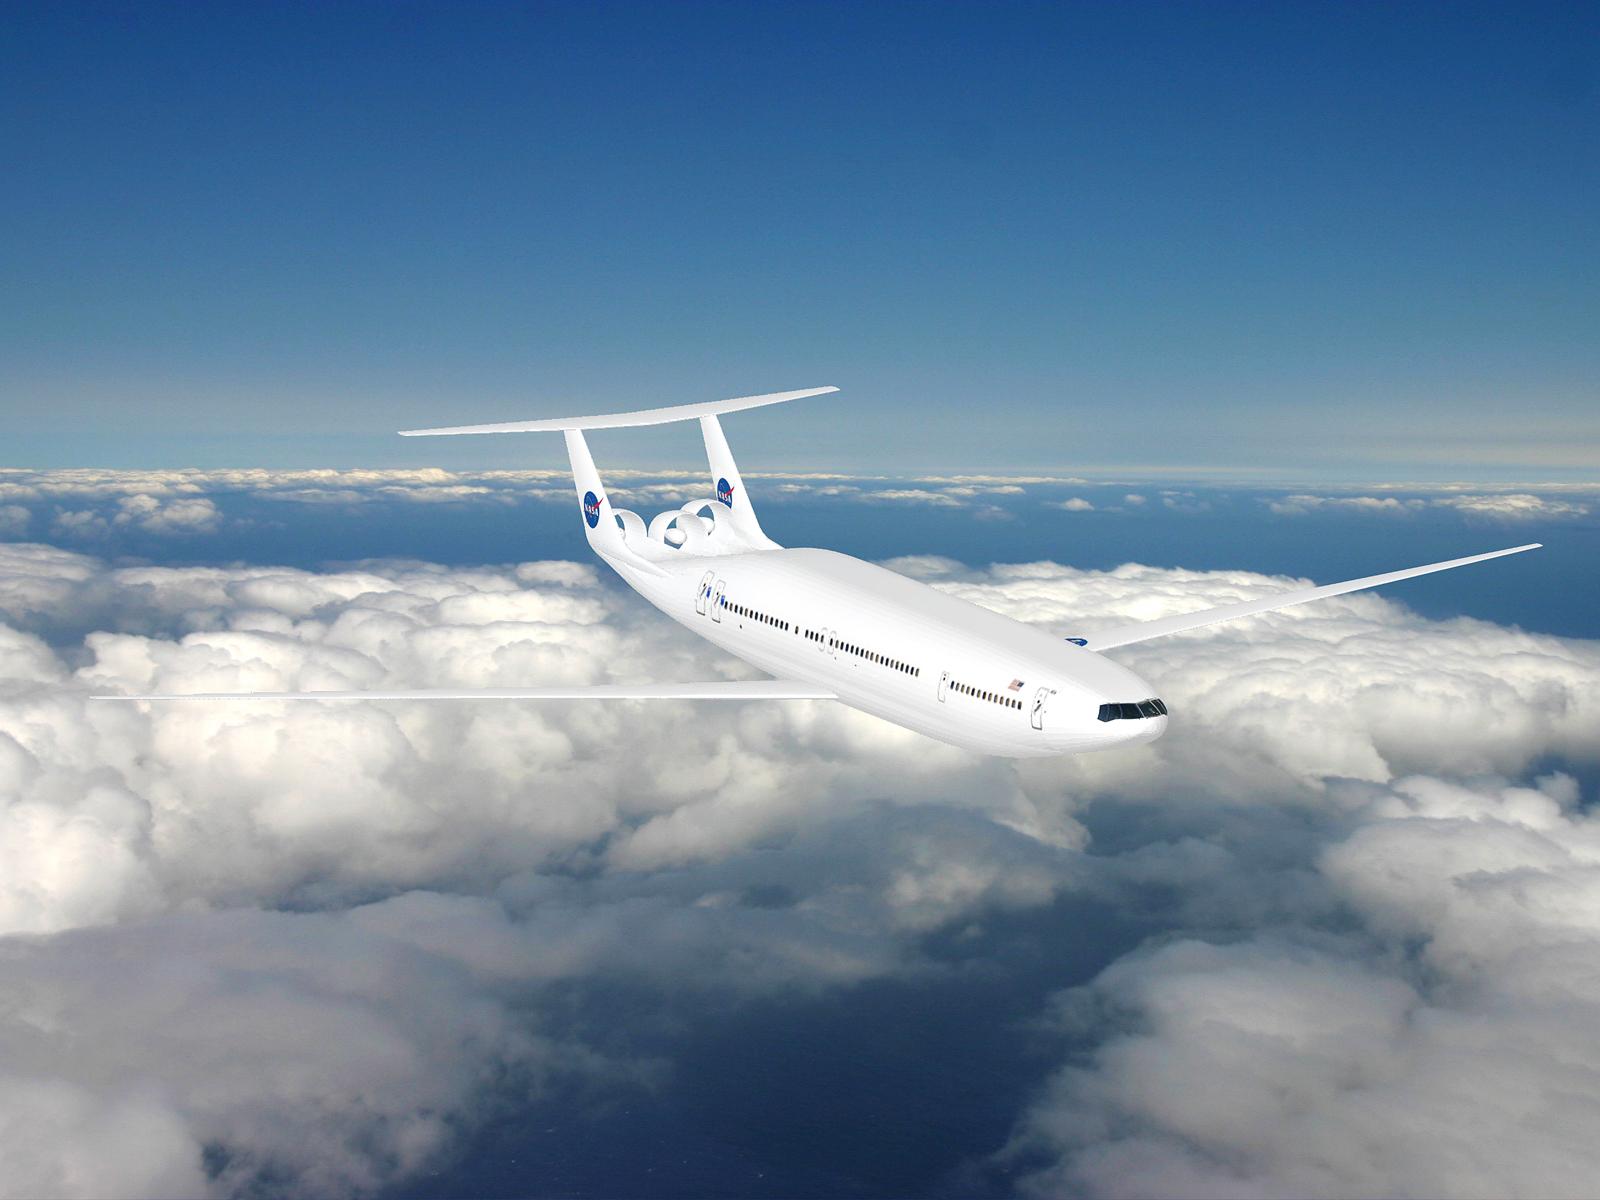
[1014, 686]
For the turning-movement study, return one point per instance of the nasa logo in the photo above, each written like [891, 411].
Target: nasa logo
[591, 509]
[725, 492]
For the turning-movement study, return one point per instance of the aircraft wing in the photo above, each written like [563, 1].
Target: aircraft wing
[752, 689]
[1143, 631]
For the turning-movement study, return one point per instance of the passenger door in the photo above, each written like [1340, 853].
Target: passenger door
[1040, 699]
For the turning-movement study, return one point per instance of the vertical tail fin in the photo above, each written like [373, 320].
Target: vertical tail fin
[599, 522]
[736, 511]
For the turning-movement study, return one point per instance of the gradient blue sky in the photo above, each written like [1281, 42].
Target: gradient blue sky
[1305, 240]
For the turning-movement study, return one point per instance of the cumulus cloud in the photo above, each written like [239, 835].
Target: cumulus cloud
[79, 523]
[152, 515]
[338, 935]
[806, 489]
[1514, 506]
[335, 1047]
[1447, 1050]
[1297, 504]
[913, 496]
[326, 1049]
[14, 520]
[968, 490]
[1074, 504]
[143, 512]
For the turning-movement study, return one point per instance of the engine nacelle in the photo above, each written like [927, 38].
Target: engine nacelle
[681, 530]
[632, 524]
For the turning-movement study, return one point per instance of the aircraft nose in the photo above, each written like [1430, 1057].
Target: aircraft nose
[1128, 723]
[1145, 730]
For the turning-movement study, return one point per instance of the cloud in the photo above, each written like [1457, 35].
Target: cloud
[1507, 506]
[804, 489]
[1003, 483]
[339, 936]
[967, 491]
[913, 496]
[1300, 1062]
[144, 513]
[1185, 502]
[14, 520]
[1075, 504]
[326, 1049]
[212, 868]
[1514, 506]
[426, 485]
[88, 503]
[1296, 505]
[153, 515]
[79, 523]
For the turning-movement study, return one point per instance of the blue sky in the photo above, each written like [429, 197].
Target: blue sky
[1355, 242]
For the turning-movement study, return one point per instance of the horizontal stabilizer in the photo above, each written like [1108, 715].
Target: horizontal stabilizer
[647, 416]
[1143, 631]
[752, 689]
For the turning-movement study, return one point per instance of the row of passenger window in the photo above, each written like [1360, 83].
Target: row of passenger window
[752, 615]
[966, 689]
[872, 656]
[1132, 712]
[821, 638]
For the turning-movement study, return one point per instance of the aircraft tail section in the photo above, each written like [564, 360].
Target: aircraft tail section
[599, 520]
[621, 536]
[733, 501]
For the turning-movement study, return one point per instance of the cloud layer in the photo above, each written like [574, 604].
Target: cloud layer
[1508, 506]
[1447, 1048]
[309, 945]
[85, 503]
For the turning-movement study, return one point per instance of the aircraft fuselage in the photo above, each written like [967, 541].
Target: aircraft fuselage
[901, 650]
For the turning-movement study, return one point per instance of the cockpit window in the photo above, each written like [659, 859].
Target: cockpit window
[1133, 712]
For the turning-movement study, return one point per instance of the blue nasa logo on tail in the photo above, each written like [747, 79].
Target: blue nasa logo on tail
[725, 492]
[591, 509]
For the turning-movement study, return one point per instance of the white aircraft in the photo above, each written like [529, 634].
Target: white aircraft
[830, 627]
